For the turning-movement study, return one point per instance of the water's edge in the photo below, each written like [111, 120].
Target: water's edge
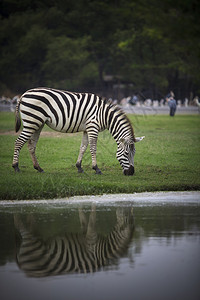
[183, 197]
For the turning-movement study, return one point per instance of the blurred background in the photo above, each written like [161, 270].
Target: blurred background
[115, 48]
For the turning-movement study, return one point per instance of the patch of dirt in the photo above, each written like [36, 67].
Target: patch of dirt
[9, 133]
[43, 133]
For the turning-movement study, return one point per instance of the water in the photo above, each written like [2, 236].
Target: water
[109, 247]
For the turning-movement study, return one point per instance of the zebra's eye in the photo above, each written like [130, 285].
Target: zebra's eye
[132, 148]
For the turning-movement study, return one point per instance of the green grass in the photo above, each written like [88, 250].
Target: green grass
[167, 159]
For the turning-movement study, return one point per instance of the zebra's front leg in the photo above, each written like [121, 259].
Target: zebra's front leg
[32, 146]
[93, 149]
[83, 148]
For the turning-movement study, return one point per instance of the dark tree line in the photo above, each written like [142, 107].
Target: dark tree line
[112, 47]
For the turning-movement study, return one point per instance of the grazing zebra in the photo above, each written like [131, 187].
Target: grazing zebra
[85, 252]
[73, 112]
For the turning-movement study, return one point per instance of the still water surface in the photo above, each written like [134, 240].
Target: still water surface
[125, 247]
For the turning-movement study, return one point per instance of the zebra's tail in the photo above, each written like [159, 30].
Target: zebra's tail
[17, 116]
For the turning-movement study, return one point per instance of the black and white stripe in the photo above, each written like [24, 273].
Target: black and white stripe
[73, 112]
[85, 252]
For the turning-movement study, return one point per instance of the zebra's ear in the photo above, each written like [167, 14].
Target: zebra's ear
[138, 139]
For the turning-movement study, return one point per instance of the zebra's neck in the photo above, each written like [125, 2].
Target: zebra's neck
[118, 124]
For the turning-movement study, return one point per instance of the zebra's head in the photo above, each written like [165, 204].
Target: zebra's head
[125, 154]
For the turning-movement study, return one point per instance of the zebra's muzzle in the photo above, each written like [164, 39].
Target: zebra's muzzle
[130, 171]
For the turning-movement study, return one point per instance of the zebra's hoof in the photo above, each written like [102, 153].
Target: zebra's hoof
[98, 172]
[80, 170]
[39, 169]
[16, 168]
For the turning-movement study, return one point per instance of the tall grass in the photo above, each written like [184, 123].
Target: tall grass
[167, 159]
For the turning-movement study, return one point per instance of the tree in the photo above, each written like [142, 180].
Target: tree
[68, 64]
[149, 44]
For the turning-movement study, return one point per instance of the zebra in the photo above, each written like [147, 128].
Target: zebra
[72, 253]
[71, 112]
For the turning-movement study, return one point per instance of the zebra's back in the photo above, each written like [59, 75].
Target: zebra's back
[61, 110]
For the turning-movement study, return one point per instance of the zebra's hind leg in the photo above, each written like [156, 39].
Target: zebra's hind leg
[19, 143]
[32, 146]
[83, 148]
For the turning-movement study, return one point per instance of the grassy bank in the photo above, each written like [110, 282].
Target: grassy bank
[167, 159]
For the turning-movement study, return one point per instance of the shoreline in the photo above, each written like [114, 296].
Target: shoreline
[145, 197]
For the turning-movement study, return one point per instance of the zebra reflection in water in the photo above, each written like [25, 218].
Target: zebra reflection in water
[84, 252]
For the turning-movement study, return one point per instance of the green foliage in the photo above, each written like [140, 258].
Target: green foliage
[167, 159]
[67, 63]
[72, 44]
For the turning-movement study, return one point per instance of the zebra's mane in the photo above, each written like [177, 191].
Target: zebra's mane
[118, 109]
